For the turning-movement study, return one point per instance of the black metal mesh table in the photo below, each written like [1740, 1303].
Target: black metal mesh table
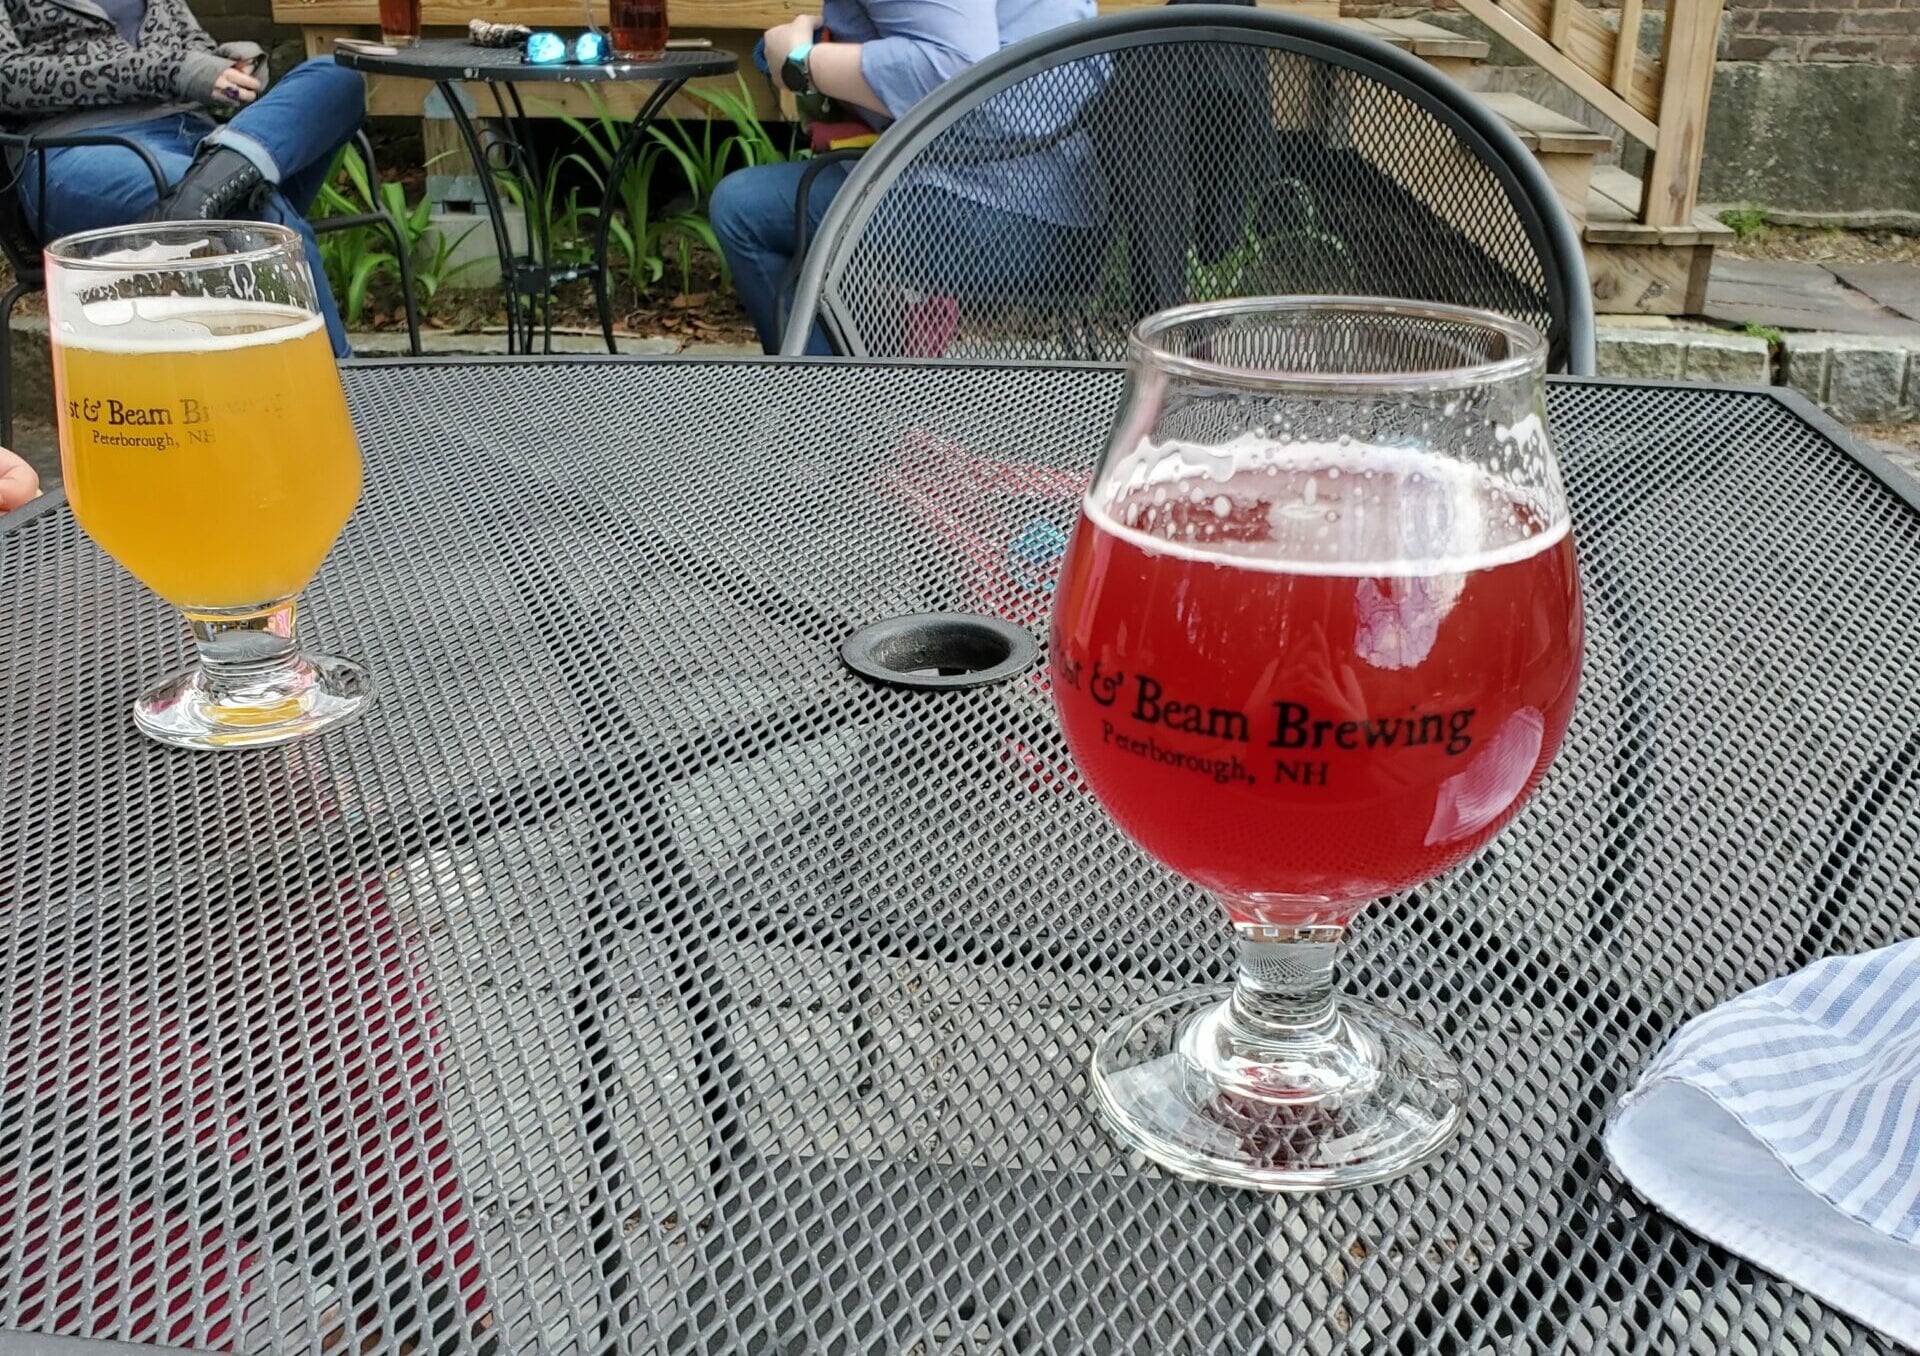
[561, 1004]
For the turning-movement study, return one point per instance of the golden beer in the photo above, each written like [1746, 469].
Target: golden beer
[207, 448]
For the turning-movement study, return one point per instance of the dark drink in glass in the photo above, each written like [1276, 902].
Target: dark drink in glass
[639, 28]
[400, 22]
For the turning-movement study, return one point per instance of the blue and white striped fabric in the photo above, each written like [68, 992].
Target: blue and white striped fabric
[1785, 1126]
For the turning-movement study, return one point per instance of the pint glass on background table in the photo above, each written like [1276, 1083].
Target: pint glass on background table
[206, 446]
[400, 22]
[1315, 641]
[639, 28]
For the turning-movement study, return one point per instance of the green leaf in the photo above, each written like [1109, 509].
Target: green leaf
[356, 169]
[364, 271]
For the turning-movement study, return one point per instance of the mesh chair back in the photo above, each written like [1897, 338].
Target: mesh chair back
[1039, 204]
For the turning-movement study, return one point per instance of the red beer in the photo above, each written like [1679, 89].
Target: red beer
[639, 28]
[400, 22]
[1323, 678]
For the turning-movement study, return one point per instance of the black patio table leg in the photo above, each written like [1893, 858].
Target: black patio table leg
[630, 144]
[539, 275]
[490, 194]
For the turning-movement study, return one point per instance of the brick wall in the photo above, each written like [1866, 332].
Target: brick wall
[1886, 32]
[1881, 32]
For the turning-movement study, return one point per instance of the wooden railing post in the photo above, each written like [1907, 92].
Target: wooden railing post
[1626, 46]
[1686, 84]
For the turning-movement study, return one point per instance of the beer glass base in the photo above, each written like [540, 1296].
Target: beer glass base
[400, 39]
[315, 693]
[1371, 1100]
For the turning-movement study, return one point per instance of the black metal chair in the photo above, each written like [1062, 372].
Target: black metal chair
[20, 239]
[1208, 151]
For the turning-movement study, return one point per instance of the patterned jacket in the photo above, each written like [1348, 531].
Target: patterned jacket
[62, 55]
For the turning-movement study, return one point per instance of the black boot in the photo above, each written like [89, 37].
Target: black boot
[219, 184]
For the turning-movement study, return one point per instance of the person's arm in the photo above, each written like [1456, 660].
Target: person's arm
[838, 74]
[99, 71]
[18, 483]
[923, 44]
[834, 66]
[203, 68]
[87, 73]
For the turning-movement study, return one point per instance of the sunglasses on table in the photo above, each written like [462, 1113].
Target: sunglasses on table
[550, 49]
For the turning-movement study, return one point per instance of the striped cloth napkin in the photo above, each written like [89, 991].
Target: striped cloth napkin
[1785, 1126]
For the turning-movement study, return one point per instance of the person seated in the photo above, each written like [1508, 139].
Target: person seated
[878, 58]
[145, 70]
[18, 483]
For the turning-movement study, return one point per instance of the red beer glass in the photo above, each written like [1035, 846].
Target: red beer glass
[400, 22]
[1315, 641]
[639, 28]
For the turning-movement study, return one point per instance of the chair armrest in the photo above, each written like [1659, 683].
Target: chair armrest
[801, 227]
[28, 142]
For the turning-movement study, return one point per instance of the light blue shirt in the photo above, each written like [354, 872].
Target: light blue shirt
[911, 47]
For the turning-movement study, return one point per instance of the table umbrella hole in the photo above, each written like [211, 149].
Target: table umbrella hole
[939, 649]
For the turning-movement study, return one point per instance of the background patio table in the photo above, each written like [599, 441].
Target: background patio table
[634, 978]
[528, 278]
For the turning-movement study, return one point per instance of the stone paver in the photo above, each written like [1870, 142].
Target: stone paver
[1894, 286]
[1793, 295]
[1900, 443]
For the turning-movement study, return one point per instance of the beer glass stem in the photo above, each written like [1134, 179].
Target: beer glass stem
[253, 685]
[1283, 980]
[248, 652]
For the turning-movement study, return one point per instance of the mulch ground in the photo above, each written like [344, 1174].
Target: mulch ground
[1827, 246]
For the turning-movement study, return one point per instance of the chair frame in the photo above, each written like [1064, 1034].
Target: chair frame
[29, 272]
[803, 229]
[1549, 230]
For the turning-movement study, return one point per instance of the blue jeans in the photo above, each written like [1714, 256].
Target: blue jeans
[291, 133]
[753, 215]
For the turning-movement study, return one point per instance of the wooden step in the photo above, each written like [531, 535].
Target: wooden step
[1564, 148]
[1452, 54]
[1613, 216]
[1421, 38]
[1638, 269]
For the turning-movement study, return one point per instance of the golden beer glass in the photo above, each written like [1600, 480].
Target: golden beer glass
[206, 447]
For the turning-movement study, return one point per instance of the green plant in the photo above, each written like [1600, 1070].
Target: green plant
[751, 140]
[1295, 257]
[642, 237]
[432, 271]
[1746, 222]
[599, 145]
[355, 257]
[559, 220]
[352, 258]
[1771, 334]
